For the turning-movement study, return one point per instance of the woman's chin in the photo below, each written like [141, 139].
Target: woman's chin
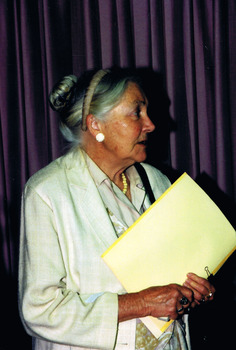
[141, 157]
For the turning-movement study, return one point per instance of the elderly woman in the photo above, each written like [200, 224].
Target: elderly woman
[76, 207]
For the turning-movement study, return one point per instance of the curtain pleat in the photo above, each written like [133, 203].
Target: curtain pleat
[188, 45]
[190, 86]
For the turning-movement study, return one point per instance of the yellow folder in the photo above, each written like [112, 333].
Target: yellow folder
[183, 231]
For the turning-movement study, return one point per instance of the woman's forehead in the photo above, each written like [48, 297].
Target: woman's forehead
[134, 95]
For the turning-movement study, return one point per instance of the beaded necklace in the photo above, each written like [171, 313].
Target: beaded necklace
[124, 183]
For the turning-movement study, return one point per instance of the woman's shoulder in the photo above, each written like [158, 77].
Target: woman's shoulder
[52, 174]
[45, 175]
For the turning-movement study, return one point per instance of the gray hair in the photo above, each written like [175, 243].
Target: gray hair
[92, 93]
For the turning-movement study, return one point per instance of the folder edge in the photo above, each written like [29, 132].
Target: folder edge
[145, 213]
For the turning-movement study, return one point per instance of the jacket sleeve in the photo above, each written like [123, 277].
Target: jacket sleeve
[48, 309]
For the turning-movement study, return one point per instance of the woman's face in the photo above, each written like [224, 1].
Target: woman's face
[126, 128]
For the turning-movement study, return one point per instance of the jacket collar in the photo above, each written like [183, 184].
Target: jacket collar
[87, 197]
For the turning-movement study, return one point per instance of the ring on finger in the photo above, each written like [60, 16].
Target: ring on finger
[206, 297]
[209, 295]
[181, 309]
[184, 301]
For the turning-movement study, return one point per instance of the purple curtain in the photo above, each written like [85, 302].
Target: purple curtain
[190, 44]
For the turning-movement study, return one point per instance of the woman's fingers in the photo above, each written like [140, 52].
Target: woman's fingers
[197, 295]
[203, 290]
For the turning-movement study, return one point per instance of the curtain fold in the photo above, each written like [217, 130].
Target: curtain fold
[188, 45]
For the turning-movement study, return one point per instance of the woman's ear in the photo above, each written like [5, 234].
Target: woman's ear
[93, 124]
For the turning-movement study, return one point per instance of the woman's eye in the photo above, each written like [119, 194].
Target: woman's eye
[137, 113]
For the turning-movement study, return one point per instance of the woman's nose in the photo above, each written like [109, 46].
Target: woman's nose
[148, 125]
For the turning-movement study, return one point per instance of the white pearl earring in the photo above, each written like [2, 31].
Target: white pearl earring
[100, 137]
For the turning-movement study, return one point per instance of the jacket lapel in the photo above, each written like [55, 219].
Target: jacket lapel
[88, 199]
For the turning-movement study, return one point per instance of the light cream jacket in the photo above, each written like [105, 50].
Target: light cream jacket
[67, 294]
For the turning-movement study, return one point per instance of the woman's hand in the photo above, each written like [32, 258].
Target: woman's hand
[164, 301]
[202, 289]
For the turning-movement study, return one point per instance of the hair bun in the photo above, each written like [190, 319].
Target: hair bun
[61, 94]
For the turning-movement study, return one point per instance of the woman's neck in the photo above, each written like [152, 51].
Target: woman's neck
[111, 168]
[108, 164]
